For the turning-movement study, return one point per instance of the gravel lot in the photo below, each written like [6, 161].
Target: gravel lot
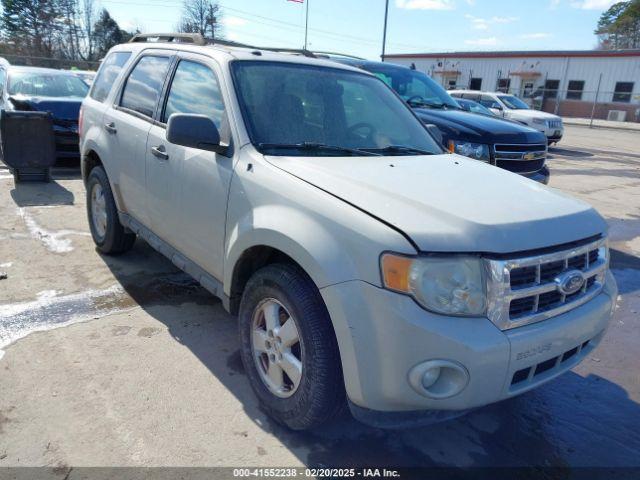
[132, 364]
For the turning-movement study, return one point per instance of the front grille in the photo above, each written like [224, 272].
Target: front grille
[523, 158]
[520, 166]
[530, 289]
[554, 123]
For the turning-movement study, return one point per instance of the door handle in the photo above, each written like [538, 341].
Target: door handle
[160, 152]
[110, 127]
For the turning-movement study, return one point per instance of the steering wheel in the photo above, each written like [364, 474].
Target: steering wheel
[417, 98]
[371, 130]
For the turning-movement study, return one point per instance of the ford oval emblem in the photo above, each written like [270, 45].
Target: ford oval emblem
[570, 282]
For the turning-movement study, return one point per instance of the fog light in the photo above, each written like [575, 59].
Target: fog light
[430, 377]
[438, 379]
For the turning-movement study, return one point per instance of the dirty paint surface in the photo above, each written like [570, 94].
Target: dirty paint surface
[146, 370]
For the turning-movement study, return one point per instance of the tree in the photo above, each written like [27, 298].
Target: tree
[201, 16]
[32, 26]
[107, 33]
[69, 35]
[88, 21]
[619, 26]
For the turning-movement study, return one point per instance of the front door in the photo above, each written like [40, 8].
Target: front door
[187, 187]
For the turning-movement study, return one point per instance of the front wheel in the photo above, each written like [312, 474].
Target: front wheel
[289, 348]
[108, 233]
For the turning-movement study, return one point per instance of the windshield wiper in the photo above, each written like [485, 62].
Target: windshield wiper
[400, 149]
[317, 147]
[439, 106]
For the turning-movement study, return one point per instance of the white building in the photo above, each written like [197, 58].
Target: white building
[569, 80]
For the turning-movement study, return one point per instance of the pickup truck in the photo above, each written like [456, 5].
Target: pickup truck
[367, 266]
[505, 144]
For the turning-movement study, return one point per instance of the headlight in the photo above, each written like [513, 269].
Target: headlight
[539, 121]
[477, 151]
[451, 285]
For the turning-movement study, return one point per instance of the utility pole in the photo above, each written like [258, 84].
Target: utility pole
[306, 26]
[384, 34]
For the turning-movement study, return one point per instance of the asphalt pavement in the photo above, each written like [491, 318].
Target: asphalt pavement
[125, 361]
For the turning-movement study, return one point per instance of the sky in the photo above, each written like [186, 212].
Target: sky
[355, 26]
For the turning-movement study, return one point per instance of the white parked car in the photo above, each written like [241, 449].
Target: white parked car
[366, 265]
[511, 107]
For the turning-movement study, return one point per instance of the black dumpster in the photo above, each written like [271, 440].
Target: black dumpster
[28, 144]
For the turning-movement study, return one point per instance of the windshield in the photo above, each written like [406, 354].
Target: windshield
[414, 87]
[474, 107]
[305, 110]
[46, 85]
[513, 102]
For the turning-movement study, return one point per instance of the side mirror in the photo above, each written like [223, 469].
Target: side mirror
[435, 133]
[195, 131]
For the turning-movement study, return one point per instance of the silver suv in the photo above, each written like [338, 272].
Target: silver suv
[367, 266]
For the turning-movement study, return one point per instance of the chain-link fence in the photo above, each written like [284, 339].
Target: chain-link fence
[58, 63]
[620, 105]
[598, 105]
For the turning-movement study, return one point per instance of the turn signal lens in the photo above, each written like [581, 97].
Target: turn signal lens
[395, 272]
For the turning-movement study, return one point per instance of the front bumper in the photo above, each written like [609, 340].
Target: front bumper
[541, 176]
[553, 134]
[67, 142]
[382, 336]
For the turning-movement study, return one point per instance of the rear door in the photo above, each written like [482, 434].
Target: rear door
[187, 187]
[127, 126]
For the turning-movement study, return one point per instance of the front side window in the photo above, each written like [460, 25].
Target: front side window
[144, 85]
[109, 70]
[40, 84]
[623, 92]
[289, 105]
[195, 89]
[415, 87]
[489, 102]
[514, 103]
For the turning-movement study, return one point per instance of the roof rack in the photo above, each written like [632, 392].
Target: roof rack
[190, 38]
[197, 39]
[337, 54]
[298, 51]
[193, 38]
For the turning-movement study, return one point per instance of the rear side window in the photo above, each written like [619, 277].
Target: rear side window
[144, 85]
[108, 73]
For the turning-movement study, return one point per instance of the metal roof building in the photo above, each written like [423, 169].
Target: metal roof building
[569, 82]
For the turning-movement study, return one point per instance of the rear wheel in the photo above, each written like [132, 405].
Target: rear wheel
[289, 348]
[108, 233]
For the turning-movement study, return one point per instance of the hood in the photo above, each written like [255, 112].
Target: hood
[60, 108]
[458, 124]
[532, 114]
[448, 203]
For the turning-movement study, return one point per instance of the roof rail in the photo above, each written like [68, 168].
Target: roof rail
[193, 38]
[299, 51]
[337, 54]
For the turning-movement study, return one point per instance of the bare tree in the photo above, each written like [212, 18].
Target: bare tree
[88, 22]
[201, 16]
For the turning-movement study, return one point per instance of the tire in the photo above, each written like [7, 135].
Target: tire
[320, 394]
[111, 238]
